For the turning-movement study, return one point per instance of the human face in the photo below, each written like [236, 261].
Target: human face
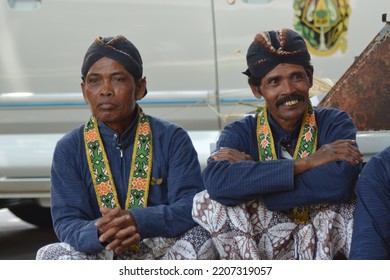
[111, 92]
[286, 92]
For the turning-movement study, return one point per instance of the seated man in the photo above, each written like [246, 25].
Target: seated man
[277, 183]
[371, 230]
[123, 183]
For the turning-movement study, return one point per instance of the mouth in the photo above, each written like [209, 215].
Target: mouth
[290, 101]
[106, 105]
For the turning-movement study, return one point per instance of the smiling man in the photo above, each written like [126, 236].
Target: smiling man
[122, 185]
[277, 182]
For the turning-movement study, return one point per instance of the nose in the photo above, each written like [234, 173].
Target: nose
[287, 86]
[106, 88]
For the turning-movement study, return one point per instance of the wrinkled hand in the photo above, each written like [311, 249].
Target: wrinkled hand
[339, 150]
[345, 150]
[118, 228]
[231, 155]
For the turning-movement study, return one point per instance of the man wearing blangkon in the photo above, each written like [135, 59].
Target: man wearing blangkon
[123, 183]
[277, 182]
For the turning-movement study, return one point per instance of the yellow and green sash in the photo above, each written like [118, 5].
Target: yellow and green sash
[307, 145]
[141, 167]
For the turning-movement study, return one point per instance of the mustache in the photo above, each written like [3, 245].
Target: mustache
[293, 96]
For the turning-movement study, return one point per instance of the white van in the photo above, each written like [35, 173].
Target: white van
[193, 53]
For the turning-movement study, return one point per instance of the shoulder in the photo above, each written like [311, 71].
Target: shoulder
[155, 121]
[70, 146]
[72, 138]
[248, 123]
[385, 153]
[326, 113]
[378, 166]
[375, 176]
[333, 119]
[381, 159]
[239, 134]
[166, 130]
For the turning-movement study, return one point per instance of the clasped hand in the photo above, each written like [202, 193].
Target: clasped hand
[117, 228]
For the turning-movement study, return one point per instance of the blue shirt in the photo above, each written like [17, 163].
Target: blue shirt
[371, 231]
[73, 199]
[235, 183]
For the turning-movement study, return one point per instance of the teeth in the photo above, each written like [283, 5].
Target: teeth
[291, 103]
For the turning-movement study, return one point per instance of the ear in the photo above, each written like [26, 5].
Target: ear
[256, 91]
[310, 79]
[83, 90]
[141, 88]
[310, 74]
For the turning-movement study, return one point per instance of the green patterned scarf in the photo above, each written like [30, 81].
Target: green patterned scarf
[141, 168]
[307, 145]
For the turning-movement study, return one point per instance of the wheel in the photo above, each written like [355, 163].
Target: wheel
[33, 214]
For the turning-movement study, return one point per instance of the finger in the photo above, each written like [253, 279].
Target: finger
[351, 151]
[119, 249]
[103, 222]
[353, 160]
[120, 243]
[126, 232]
[356, 158]
[104, 210]
[229, 158]
[108, 217]
[344, 141]
[350, 155]
[134, 239]
[113, 244]
[247, 157]
[120, 222]
[111, 212]
[108, 235]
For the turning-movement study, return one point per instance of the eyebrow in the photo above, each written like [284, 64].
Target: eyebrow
[112, 74]
[295, 72]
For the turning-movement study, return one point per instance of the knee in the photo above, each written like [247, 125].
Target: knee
[55, 251]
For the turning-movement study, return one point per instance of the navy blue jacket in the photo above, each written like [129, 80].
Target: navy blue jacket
[74, 203]
[371, 231]
[235, 183]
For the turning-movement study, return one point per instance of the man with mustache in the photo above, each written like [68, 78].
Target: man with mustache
[123, 183]
[278, 179]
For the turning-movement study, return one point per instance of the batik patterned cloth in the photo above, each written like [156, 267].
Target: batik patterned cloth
[194, 244]
[250, 231]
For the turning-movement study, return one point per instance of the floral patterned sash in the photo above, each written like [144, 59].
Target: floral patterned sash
[307, 145]
[140, 173]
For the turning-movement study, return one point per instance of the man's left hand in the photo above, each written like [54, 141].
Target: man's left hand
[118, 228]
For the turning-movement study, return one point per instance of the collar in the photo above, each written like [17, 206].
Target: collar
[123, 140]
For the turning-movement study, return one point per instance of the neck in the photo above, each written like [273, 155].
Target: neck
[121, 126]
[288, 125]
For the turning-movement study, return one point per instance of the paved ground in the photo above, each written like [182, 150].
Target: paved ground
[20, 240]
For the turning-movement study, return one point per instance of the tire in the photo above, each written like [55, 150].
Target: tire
[33, 214]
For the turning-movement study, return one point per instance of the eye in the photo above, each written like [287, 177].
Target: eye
[118, 79]
[273, 82]
[92, 81]
[297, 77]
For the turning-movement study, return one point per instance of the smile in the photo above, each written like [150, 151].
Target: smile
[290, 102]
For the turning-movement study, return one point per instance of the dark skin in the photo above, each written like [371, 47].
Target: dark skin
[118, 228]
[286, 92]
[111, 92]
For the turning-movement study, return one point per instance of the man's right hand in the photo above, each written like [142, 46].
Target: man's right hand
[117, 228]
[231, 155]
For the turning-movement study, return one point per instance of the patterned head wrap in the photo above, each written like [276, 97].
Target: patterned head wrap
[271, 48]
[117, 48]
